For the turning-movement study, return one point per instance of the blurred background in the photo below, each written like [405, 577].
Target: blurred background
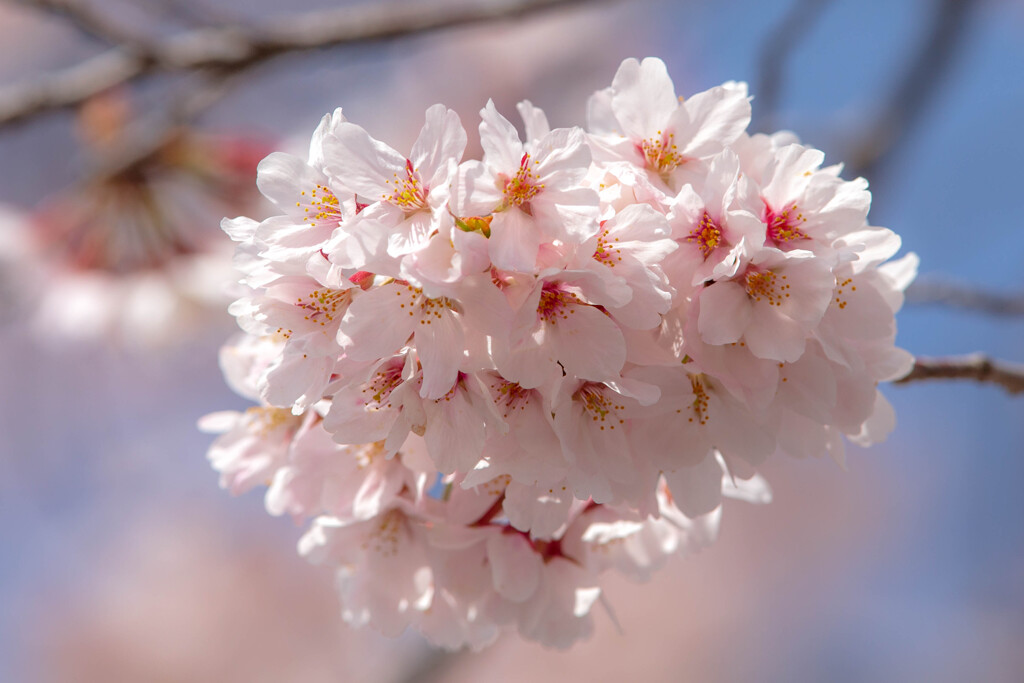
[122, 560]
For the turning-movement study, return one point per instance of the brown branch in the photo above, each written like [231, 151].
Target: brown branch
[976, 366]
[231, 49]
[965, 297]
[775, 50]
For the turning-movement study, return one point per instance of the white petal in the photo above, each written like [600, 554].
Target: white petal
[514, 565]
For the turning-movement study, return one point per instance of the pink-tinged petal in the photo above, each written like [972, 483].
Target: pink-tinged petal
[754, 490]
[739, 433]
[859, 311]
[802, 437]
[328, 124]
[534, 120]
[379, 322]
[697, 490]
[441, 347]
[362, 164]
[725, 312]
[530, 366]
[515, 566]
[644, 97]
[282, 238]
[569, 215]
[350, 423]
[901, 272]
[687, 210]
[877, 427]
[515, 241]
[774, 336]
[873, 246]
[540, 510]
[282, 178]
[600, 116]
[503, 150]
[475, 191]
[587, 343]
[471, 252]
[720, 184]
[561, 159]
[484, 303]
[810, 387]
[650, 298]
[240, 229]
[640, 225]
[361, 243]
[716, 118]
[412, 234]
[793, 168]
[297, 379]
[441, 143]
[378, 490]
[455, 432]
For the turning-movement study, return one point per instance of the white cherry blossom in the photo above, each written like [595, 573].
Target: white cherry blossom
[488, 384]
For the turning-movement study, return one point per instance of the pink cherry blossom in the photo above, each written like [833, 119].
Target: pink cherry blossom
[490, 383]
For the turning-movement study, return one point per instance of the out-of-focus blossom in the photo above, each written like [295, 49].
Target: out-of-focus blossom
[496, 380]
[127, 256]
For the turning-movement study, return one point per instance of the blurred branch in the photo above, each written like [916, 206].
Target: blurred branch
[965, 297]
[187, 13]
[147, 137]
[87, 20]
[778, 45]
[976, 366]
[234, 48]
[914, 91]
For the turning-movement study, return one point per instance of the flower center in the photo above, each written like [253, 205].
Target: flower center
[660, 153]
[409, 193]
[766, 286]
[707, 235]
[511, 396]
[522, 187]
[321, 305]
[608, 252]
[555, 303]
[700, 401]
[433, 308]
[784, 226]
[383, 534]
[268, 419]
[599, 407]
[379, 388]
[323, 208]
[369, 453]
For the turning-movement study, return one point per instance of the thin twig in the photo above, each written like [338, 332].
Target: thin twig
[965, 297]
[775, 50]
[234, 48]
[976, 366]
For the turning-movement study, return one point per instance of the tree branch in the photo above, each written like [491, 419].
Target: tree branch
[969, 298]
[87, 20]
[976, 366]
[234, 48]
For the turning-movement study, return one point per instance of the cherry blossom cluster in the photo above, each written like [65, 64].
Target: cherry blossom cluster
[490, 381]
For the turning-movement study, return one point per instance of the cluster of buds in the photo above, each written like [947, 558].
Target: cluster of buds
[488, 382]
